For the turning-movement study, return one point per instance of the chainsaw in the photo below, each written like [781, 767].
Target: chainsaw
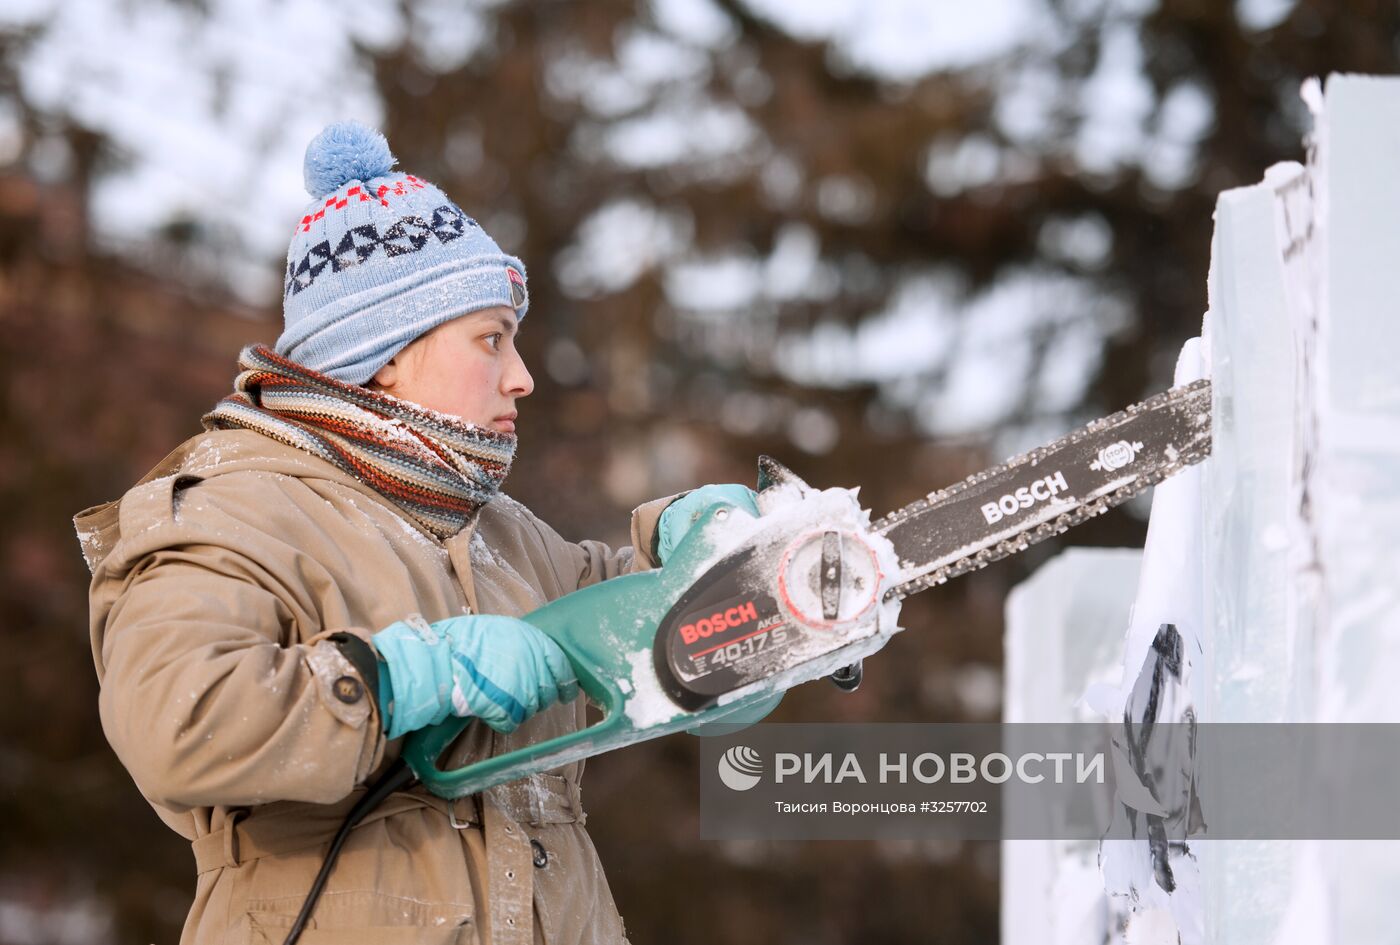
[746, 608]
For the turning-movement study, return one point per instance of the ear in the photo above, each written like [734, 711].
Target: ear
[387, 376]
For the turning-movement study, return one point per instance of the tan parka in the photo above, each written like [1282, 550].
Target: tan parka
[217, 581]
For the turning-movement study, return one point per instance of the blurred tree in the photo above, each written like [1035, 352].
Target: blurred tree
[744, 235]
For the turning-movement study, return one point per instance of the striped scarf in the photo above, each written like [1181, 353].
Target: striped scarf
[438, 468]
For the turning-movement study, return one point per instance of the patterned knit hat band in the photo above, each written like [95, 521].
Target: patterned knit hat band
[381, 258]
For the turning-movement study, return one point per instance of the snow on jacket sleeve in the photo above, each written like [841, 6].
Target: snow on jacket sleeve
[218, 685]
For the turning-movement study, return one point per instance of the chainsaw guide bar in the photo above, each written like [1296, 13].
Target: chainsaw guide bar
[1049, 490]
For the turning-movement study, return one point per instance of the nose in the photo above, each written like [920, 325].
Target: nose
[516, 381]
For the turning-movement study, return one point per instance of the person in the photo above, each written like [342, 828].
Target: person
[331, 564]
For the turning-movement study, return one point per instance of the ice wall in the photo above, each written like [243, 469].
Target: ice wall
[1154, 890]
[1354, 482]
[1247, 505]
[1258, 661]
[1064, 634]
[1293, 530]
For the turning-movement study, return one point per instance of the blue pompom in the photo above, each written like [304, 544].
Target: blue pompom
[344, 152]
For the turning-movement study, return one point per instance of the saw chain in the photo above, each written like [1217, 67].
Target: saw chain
[1048, 490]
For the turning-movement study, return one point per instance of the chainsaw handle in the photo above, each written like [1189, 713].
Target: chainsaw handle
[423, 748]
[600, 628]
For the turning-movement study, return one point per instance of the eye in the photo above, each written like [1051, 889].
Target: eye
[494, 339]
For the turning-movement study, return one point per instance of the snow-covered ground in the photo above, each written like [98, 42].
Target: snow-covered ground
[1275, 561]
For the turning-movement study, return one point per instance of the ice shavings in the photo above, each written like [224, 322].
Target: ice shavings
[206, 455]
[92, 545]
[415, 532]
[395, 430]
[790, 510]
[328, 664]
[804, 510]
[647, 705]
[507, 502]
[483, 556]
[445, 418]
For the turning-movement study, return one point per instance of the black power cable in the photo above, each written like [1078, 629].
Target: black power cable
[398, 776]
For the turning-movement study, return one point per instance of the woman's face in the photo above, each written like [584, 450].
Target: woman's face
[468, 368]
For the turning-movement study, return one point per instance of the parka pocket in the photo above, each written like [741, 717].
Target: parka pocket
[364, 917]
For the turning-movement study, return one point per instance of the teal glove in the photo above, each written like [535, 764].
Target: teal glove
[681, 515]
[499, 669]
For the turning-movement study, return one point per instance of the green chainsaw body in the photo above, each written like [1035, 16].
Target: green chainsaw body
[634, 643]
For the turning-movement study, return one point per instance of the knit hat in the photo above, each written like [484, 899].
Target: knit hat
[380, 258]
